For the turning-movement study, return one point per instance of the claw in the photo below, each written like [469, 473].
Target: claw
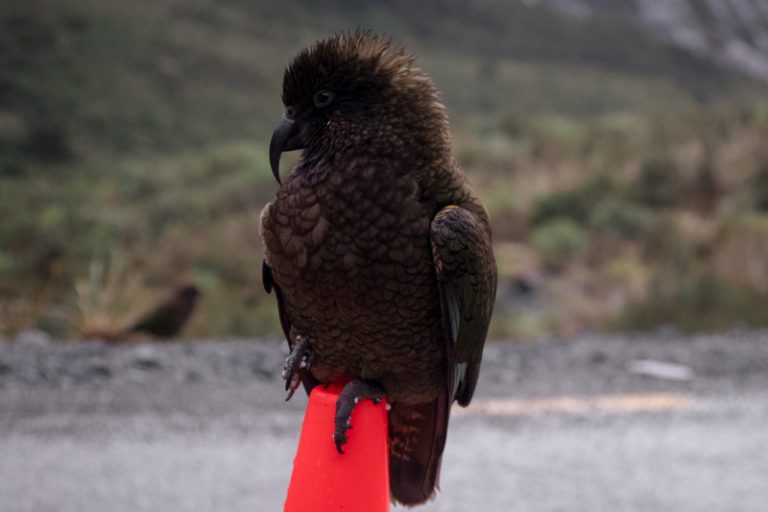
[297, 363]
[292, 384]
[353, 392]
[340, 440]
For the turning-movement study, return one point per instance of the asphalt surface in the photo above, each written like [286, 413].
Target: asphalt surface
[644, 423]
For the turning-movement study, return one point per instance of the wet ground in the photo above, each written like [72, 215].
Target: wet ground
[644, 423]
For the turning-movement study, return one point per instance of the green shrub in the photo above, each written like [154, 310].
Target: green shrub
[513, 125]
[667, 244]
[558, 242]
[620, 217]
[696, 302]
[657, 183]
[706, 188]
[575, 204]
[760, 189]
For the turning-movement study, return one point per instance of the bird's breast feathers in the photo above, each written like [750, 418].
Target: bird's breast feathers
[351, 218]
[346, 246]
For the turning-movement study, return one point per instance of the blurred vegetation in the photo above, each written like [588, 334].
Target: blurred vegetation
[627, 180]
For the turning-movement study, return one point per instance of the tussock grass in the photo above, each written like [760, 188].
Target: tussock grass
[140, 130]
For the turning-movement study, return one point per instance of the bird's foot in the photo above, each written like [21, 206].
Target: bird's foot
[353, 392]
[297, 363]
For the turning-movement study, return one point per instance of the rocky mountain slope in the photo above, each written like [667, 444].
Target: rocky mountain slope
[731, 32]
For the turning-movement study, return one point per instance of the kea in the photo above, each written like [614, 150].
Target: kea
[168, 318]
[377, 249]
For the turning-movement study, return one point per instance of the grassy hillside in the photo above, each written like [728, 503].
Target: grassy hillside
[133, 137]
[107, 77]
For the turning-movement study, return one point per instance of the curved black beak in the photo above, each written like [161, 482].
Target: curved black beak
[286, 137]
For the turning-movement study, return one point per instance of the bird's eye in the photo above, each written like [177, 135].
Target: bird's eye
[323, 98]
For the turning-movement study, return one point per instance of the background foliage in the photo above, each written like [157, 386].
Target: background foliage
[627, 178]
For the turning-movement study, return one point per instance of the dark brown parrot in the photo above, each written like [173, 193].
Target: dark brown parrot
[168, 318]
[378, 250]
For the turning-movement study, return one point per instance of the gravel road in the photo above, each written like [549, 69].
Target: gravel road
[634, 423]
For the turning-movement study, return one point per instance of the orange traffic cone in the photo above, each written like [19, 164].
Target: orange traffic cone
[324, 480]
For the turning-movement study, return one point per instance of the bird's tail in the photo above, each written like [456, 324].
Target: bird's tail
[417, 438]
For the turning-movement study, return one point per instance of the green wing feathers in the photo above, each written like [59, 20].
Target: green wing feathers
[466, 274]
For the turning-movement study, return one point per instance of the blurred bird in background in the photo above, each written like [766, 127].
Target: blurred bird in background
[168, 318]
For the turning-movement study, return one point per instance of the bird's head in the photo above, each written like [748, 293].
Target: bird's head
[357, 93]
[188, 292]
